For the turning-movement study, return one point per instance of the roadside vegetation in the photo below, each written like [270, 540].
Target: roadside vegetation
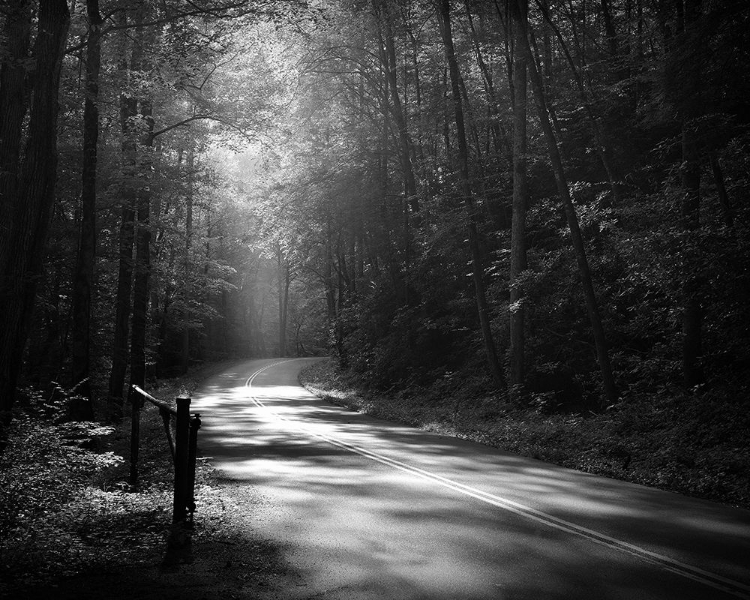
[695, 445]
[72, 526]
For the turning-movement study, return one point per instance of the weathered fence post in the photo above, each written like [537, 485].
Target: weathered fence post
[135, 434]
[184, 451]
[181, 460]
[179, 542]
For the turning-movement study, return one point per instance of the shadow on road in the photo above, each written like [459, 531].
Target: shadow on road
[356, 528]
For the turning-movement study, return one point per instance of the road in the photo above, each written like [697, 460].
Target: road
[365, 509]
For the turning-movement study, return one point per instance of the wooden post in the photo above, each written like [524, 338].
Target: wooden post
[179, 543]
[135, 434]
[181, 460]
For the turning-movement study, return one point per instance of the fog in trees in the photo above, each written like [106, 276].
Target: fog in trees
[546, 198]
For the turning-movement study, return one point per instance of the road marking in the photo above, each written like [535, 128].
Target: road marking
[713, 580]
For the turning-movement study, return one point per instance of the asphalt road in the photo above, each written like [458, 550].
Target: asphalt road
[364, 509]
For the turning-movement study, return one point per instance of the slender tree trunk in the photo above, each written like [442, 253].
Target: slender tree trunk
[463, 162]
[188, 290]
[390, 65]
[143, 248]
[142, 267]
[608, 383]
[13, 107]
[692, 311]
[498, 136]
[83, 279]
[128, 192]
[128, 111]
[31, 206]
[597, 127]
[284, 283]
[721, 189]
[516, 367]
[609, 28]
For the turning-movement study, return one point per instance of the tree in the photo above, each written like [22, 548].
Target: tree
[602, 351]
[690, 113]
[468, 199]
[33, 195]
[83, 280]
[520, 201]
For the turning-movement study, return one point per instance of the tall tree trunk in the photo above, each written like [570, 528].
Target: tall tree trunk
[83, 278]
[603, 147]
[188, 290]
[13, 108]
[516, 367]
[496, 129]
[721, 190]
[128, 112]
[31, 206]
[608, 383]
[468, 198]
[692, 311]
[284, 283]
[609, 28]
[405, 144]
[128, 192]
[143, 248]
[142, 267]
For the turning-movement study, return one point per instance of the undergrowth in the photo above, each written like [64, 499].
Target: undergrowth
[694, 444]
[66, 507]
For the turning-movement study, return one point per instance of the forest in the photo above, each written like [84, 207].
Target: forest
[530, 204]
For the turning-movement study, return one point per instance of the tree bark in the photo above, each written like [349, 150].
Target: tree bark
[692, 311]
[13, 107]
[31, 206]
[284, 278]
[468, 198]
[389, 56]
[603, 147]
[516, 367]
[143, 247]
[188, 289]
[721, 190]
[83, 277]
[128, 112]
[602, 352]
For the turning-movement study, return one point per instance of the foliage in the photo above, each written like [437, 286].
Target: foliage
[305, 195]
[49, 492]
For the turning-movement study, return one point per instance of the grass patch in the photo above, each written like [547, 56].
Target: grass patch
[696, 445]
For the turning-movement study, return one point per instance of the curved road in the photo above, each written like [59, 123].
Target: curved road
[365, 509]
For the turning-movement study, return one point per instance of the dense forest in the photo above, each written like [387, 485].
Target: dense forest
[544, 201]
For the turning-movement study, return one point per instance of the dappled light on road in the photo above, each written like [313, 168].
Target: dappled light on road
[371, 509]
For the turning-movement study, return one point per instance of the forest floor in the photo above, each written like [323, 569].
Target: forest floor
[694, 444]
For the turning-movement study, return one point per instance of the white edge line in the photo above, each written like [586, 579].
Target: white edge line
[695, 573]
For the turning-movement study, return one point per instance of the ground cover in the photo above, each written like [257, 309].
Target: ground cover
[72, 527]
[693, 444]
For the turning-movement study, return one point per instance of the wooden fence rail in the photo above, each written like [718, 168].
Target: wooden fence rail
[183, 448]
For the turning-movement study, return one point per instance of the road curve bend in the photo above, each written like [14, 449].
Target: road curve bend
[365, 509]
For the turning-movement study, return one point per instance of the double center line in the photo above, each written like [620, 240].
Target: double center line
[699, 575]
